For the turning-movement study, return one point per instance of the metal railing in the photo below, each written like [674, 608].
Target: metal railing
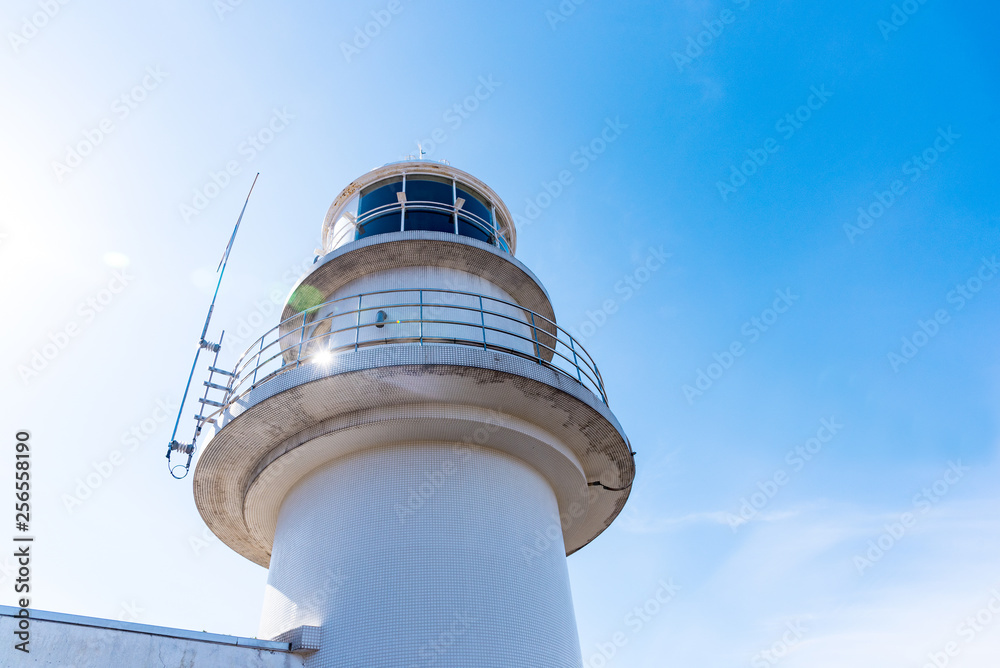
[420, 317]
[349, 233]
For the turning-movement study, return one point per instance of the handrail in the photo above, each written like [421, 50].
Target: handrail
[422, 316]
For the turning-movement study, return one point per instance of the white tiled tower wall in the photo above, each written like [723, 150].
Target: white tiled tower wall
[424, 554]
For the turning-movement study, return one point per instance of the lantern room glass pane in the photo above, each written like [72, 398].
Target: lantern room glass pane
[379, 225]
[380, 194]
[431, 221]
[468, 228]
[420, 189]
[475, 205]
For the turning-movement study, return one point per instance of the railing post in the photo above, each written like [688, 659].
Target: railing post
[357, 327]
[482, 320]
[493, 224]
[257, 364]
[534, 330]
[572, 347]
[302, 338]
[421, 317]
[402, 207]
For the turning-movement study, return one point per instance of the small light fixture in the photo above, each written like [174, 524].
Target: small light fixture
[459, 203]
[380, 319]
[401, 197]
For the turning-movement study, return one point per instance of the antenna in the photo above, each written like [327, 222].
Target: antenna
[203, 344]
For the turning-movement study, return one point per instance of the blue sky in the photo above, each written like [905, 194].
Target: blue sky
[865, 102]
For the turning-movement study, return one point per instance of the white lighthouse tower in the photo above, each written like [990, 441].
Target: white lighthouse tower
[416, 448]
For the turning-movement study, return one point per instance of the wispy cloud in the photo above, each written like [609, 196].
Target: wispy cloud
[795, 568]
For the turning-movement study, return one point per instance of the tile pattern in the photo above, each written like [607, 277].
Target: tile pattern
[424, 554]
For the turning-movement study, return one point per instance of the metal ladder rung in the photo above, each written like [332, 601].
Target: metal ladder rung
[211, 403]
[222, 371]
[202, 418]
[216, 387]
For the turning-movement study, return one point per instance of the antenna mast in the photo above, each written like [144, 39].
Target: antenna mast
[204, 344]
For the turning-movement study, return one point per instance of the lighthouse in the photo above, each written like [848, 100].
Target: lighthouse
[416, 447]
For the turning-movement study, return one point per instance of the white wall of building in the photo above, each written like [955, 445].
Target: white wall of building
[68, 645]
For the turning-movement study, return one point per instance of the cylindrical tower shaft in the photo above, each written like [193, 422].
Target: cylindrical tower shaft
[420, 549]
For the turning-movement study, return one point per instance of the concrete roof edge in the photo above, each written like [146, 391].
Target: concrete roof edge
[148, 629]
